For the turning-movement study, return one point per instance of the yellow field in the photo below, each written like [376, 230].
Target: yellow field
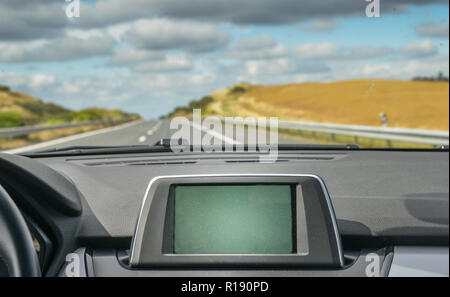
[407, 104]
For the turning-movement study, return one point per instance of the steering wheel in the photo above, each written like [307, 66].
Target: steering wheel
[18, 257]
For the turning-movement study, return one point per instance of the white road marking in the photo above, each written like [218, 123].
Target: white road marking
[58, 141]
[216, 135]
[154, 129]
[142, 139]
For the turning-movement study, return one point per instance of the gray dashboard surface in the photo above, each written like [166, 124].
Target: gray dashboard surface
[105, 263]
[374, 193]
[420, 262]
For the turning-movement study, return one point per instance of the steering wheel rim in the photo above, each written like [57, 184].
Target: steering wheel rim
[18, 257]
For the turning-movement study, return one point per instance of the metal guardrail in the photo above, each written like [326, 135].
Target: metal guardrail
[21, 131]
[437, 138]
[385, 133]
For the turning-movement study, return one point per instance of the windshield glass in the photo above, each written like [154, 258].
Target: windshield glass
[117, 73]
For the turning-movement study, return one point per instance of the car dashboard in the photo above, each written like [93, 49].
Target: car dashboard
[390, 210]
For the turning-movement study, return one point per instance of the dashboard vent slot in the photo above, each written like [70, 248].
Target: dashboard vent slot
[205, 159]
[314, 158]
[162, 163]
[138, 163]
[251, 161]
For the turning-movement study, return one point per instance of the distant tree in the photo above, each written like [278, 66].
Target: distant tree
[237, 90]
[439, 77]
[4, 88]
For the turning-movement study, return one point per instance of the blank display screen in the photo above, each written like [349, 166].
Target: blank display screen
[234, 219]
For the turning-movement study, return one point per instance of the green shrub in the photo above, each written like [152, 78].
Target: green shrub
[8, 119]
[200, 104]
[237, 90]
[90, 114]
[65, 117]
[194, 104]
[179, 110]
[41, 109]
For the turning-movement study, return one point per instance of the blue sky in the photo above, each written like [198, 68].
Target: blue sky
[150, 56]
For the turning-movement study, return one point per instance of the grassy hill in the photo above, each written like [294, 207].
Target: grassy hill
[408, 104]
[19, 109]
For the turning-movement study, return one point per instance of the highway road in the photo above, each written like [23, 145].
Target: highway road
[136, 133]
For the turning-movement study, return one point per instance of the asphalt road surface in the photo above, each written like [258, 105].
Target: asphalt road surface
[136, 133]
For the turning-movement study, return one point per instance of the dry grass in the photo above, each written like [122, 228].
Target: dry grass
[408, 104]
[9, 102]
[12, 143]
[362, 142]
[49, 135]
[45, 136]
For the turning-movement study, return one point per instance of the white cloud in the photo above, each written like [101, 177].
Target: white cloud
[257, 48]
[375, 70]
[429, 67]
[174, 81]
[320, 25]
[255, 43]
[170, 63]
[118, 32]
[433, 30]
[73, 87]
[281, 66]
[361, 52]
[322, 50]
[40, 80]
[269, 67]
[34, 81]
[129, 55]
[62, 49]
[400, 68]
[108, 97]
[163, 34]
[150, 61]
[81, 92]
[420, 49]
[202, 79]
[28, 20]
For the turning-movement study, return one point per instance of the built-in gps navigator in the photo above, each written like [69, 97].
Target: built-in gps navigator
[234, 219]
[246, 221]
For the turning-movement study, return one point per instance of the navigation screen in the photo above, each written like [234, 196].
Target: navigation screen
[234, 219]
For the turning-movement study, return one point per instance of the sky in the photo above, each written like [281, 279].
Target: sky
[148, 56]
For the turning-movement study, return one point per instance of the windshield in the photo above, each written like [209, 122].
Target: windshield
[321, 72]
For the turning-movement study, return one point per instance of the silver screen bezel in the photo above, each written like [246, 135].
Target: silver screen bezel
[302, 233]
